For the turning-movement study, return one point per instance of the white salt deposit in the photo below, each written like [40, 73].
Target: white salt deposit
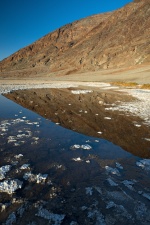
[3, 207]
[75, 146]
[25, 166]
[139, 107]
[38, 178]
[12, 87]
[78, 159]
[85, 147]
[58, 166]
[18, 156]
[137, 125]
[147, 139]
[4, 170]
[11, 139]
[35, 138]
[76, 92]
[10, 186]
[4, 88]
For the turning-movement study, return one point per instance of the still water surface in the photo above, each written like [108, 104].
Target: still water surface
[66, 177]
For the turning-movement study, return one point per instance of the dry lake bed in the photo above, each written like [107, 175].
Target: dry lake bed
[74, 154]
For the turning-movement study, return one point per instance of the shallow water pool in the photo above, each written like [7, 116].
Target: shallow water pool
[49, 174]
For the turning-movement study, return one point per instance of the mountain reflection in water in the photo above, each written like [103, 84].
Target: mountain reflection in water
[88, 113]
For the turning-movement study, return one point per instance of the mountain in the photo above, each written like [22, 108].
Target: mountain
[111, 40]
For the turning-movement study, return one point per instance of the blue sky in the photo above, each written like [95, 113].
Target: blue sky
[24, 21]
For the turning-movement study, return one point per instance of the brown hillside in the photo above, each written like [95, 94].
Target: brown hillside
[111, 40]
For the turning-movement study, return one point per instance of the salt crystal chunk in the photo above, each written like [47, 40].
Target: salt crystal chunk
[4, 170]
[38, 178]
[18, 156]
[86, 147]
[25, 166]
[10, 186]
[77, 159]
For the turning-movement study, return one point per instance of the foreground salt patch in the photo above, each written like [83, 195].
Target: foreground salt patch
[38, 178]
[10, 186]
[144, 164]
[55, 219]
[4, 170]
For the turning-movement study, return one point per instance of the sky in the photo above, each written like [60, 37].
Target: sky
[22, 22]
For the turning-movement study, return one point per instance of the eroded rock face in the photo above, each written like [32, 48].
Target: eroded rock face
[110, 40]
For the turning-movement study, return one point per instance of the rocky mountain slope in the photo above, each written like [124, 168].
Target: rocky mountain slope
[117, 39]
